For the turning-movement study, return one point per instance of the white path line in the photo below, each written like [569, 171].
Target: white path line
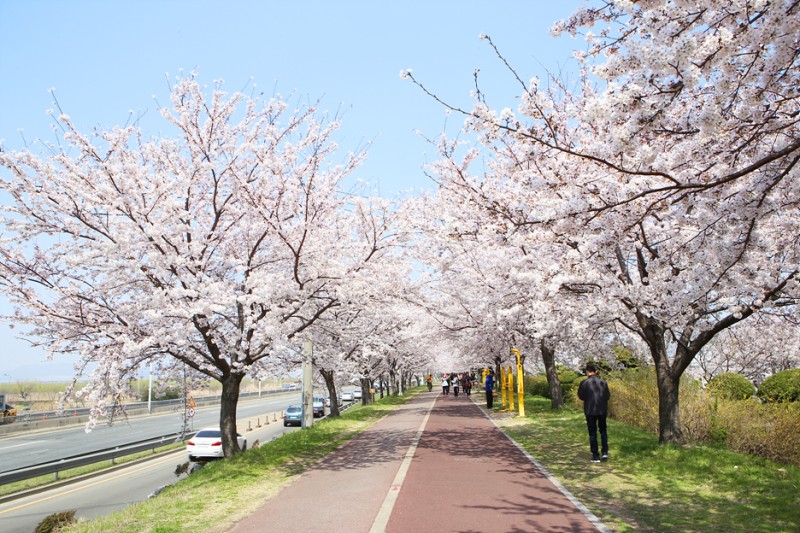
[582, 508]
[382, 519]
[23, 444]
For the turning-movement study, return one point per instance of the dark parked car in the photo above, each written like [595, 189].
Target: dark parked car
[318, 407]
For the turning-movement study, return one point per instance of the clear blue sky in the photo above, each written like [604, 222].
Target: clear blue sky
[105, 58]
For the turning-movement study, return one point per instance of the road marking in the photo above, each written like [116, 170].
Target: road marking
[23, 444]
[382, 519]
[582, 508]
[124, 472]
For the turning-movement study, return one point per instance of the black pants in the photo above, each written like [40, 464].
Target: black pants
[593, 423]
[489, 398]
[455, 391]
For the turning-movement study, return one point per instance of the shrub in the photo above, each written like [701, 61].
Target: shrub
[770, 430]
[730, 386]
[634, 401]
[781, 387]
[55, 522]
[537, 386]
[569, 380]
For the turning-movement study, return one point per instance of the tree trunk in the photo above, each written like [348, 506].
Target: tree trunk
[549, 360]
[669, 423]
[330, 383]
[365, 386]
[227, 412]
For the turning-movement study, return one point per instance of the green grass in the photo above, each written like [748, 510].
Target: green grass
[223, 492]
[647, 487]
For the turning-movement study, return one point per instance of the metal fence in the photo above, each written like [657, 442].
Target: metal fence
[109, 454]
[32, 421]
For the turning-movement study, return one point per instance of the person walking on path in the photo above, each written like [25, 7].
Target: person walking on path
[455, 385]
[489, 384]
[595, 395]
[445, 386]
[467, 385]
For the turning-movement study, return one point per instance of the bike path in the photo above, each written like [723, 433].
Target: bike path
[437, 463]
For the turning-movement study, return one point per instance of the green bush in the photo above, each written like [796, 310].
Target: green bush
[730, 386]
[569, 380]
[781, 387]
[537, 386]
[770, 430]
[634, 401]
[634, 398]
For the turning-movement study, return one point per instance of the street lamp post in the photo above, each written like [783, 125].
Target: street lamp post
[150, 392]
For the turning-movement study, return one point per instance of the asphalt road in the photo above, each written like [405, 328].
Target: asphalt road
[106, 493]
[27, 449]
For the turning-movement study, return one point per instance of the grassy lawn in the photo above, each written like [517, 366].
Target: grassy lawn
[647, 487]
[223, 492]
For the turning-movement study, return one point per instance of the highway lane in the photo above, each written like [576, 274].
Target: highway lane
[20, 450]
[106, 493]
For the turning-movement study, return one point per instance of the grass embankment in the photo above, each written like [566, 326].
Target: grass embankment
[647, 487]
[223, 492]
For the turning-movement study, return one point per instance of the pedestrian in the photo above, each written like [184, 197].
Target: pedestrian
[455, 385]
[445, 386]
[467, 385]
[595, 395]
[489, 385]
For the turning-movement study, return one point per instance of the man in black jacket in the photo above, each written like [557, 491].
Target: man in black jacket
[595, 394]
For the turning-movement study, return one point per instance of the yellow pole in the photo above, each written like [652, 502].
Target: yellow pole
[520, 382]
[503, 386]
[510, 376]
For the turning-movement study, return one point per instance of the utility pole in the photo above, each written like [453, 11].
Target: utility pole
[308, 386]
[150, 392]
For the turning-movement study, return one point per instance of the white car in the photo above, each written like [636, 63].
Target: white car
[357, 394]
[347, 396]
[207, 444]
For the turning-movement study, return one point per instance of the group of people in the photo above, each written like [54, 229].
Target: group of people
[455, 381]
[593, 391]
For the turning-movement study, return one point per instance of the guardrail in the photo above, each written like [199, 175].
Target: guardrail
[33, 421]
[109, 454]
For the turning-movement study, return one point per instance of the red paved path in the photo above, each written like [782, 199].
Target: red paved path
[460, 474]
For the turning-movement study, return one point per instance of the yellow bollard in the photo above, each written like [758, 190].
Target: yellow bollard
[503, 387]
[510, 376]
[520, 382]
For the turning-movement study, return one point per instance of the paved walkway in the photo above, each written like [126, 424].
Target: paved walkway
[436, 464]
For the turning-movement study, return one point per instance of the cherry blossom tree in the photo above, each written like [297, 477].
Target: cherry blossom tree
[754, 348]
[670, 170]
[215, 248]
